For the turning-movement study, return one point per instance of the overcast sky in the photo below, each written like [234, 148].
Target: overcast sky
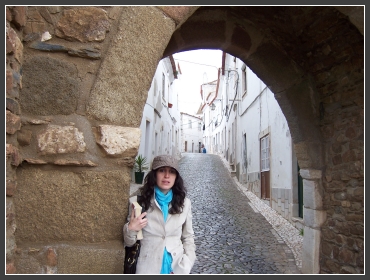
[197, 67]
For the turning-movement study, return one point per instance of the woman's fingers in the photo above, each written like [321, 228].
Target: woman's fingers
[142, 216]
[139, 222]
[132, 214]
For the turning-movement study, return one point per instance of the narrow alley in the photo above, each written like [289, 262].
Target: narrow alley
[231, 236]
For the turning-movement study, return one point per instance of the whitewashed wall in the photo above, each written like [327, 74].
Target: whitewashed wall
[160, 125]
[255, 114]
[191, 134]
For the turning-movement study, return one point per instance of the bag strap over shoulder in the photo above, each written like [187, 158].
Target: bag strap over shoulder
[139, 199]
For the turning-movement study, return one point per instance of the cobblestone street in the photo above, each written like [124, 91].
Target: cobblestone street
[231, 236]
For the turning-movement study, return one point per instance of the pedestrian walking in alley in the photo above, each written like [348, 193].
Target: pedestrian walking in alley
[168, 245]
[204, 150]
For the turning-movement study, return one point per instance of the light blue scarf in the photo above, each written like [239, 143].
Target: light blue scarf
[164, 201]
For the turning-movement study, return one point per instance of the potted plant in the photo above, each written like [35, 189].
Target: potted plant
[139, 167]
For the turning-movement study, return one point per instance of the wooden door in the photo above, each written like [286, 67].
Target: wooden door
[265, 185]
[265, 168]
[300, 194]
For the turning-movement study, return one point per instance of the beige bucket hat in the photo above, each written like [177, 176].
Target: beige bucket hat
[165, 160]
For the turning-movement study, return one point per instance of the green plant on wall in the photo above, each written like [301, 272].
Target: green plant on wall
[140, 164]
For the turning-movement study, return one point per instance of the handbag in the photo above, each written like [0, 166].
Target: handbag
[132, 254]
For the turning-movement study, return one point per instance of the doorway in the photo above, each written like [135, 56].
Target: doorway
[265, 168]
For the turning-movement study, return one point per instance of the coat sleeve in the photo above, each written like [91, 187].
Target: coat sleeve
[187, 236]
[129, 236]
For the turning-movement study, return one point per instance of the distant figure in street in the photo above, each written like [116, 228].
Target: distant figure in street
[204, 151]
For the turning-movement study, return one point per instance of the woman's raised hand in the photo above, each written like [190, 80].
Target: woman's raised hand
[137, 223]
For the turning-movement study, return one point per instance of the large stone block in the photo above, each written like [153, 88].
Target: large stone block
[178, 13]
[118, 141]
[81, 206]
[126, 73]
[13, 123]
[50, 87]
[312, 195]
[83, 24]
[103, 258]
[310, 174]
[14, 44]
[61, 140]
[310, 251]
[314, 218]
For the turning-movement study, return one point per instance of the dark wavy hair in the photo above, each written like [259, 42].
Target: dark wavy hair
[178, 190]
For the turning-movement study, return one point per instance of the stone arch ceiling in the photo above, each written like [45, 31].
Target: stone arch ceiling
[293, 49]
[288, 27]
[299, 31]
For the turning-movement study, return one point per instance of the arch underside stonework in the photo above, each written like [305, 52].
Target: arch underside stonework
[286, 47]
[311, 58]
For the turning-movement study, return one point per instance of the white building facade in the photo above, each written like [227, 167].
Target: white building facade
[208, 94]
[191, 133]
[245, 125]
[160, 123]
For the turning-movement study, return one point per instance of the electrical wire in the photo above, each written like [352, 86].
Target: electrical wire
[197, 63]
[191, 122]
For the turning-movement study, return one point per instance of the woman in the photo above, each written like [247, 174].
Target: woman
[168, 244]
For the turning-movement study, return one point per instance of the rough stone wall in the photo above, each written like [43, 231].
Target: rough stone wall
[15, 22]
[77, 78]
[76, 83]
[340, 190]
[312, 58]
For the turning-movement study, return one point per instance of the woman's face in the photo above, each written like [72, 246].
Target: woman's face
[165, 177]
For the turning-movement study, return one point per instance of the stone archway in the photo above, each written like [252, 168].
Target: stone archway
[270, 40]
[310, 57]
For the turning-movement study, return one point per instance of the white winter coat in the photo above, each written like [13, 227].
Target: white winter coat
[176, 235]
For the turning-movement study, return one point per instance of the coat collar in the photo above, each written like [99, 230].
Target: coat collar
[155, 203]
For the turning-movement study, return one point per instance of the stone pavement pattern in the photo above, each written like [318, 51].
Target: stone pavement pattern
[231, 237]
